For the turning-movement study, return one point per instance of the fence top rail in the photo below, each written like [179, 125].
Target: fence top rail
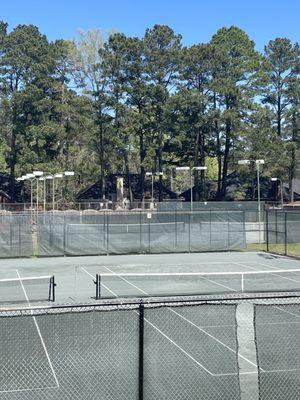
[152, 302]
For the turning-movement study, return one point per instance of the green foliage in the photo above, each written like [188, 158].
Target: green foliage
[108, 103]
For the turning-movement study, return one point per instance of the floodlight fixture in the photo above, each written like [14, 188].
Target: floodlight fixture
[183, 168]
[38, 173]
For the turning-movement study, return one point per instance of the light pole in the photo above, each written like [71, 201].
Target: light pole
[58, 176]
[152, 174]
[31, 179]
[257, 163]
[201, 168]
[37, 175]
[281, 188]
[43, 179]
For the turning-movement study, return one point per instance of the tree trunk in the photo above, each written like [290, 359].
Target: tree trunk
[225, 159]
[219, 152]
[278, 117]
[101, 153]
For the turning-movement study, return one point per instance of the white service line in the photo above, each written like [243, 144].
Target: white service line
[191, 323]
[125, 280]
[179, 348]
[28, 389]
[275, 273]
[113, 293]
[276, 307]
[39, 332]
[213, 337]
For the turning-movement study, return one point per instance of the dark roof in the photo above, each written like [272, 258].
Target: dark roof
[94, 191]
[235, 183]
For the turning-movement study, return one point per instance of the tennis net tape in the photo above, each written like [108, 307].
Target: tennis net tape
[27, 289]
[195, 283]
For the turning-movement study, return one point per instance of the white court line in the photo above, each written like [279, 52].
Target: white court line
[275, 274]
[39, 333]
[107, 288]
[276, 307]
[180, 348]
[125, 280]
[213, 337]
[191, 323]
[28, 390]
[165, 336]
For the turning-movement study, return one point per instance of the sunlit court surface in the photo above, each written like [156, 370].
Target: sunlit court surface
[176, 321]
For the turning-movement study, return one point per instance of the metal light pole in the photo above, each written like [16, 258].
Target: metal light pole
[281, 188]
[201, 168]
[257, 163]
[191, 182]
[37, 175]
[152, 174]
[152, 184]
[59, 175]
[43, 179]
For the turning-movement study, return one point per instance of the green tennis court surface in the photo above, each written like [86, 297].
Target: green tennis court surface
[233, 345]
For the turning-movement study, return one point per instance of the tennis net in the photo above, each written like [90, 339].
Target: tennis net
[195, 283]
[27, 289]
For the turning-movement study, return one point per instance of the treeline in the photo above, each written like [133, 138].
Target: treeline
[116, 104]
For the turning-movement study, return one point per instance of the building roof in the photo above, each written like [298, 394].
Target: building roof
[235, 185]
[94, 191]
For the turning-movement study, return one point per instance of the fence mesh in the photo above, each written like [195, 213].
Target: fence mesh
[277, 332]
[75, 233]
[15, 235]
[212, 348]
[283, 232]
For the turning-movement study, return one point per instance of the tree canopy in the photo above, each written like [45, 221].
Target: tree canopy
[108, 103]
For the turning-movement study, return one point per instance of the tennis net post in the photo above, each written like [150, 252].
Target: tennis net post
[52, 287]
[201, 283]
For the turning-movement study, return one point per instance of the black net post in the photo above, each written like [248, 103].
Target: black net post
[98, 286]
[285, 233]
[52, 289]
[141, 352]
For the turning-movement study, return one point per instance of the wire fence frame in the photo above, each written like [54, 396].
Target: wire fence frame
[140, 307]
[142, 232]
[283, 232]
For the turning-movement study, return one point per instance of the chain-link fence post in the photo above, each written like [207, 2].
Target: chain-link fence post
[141, 352]
[285, 233]
[267, 229]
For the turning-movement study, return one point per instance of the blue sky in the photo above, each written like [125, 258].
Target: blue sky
[196, 20]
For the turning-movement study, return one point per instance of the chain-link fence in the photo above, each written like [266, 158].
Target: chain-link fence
[92, 233]
[15, 235]
[185, 348]
[283, 232]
